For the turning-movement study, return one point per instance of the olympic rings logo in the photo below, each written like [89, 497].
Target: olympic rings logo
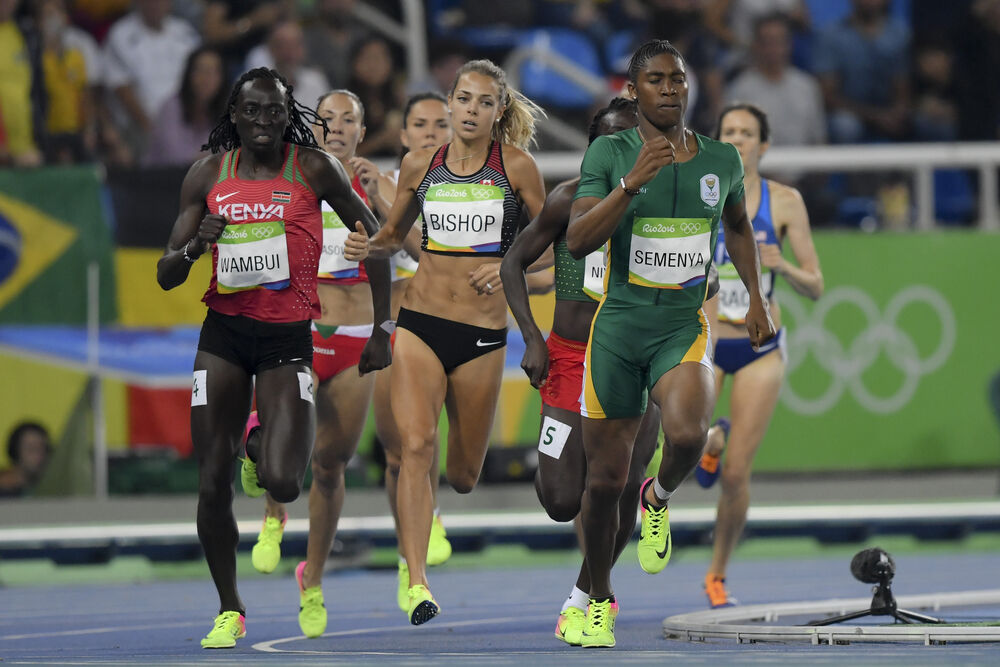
[690, 227]
[846, 365]
[263, 232]
[481, 193]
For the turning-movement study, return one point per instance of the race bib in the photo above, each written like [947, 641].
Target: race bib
[734, 299]
[464, 217]
[594, 266]
[669, 253]
[404, 266]
[553, 437]
[252, 255]
[332, 263]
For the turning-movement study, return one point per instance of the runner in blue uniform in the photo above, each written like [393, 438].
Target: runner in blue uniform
[779, 214]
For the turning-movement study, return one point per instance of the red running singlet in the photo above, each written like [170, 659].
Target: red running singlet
[264, 265]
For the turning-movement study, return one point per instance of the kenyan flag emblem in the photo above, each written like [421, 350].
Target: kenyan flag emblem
[281, 197]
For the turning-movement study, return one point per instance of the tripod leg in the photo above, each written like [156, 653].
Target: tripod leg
[841, 619]
[913, 617]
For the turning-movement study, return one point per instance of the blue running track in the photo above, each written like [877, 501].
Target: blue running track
[490, 617]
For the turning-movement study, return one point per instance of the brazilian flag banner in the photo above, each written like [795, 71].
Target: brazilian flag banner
[52, 226]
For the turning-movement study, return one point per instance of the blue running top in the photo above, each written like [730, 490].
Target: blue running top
[734, 300]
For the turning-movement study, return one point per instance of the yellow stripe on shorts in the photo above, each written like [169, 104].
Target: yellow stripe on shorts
[701, 350]
[590, 406]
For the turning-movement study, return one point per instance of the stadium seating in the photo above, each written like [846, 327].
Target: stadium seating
[542, 84]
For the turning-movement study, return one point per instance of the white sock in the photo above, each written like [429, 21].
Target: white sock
[402, 561]
[437, 512]
[661, 494]
[578, 599]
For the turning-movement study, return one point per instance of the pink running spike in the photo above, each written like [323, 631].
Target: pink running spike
[252, 422]
[300, 571]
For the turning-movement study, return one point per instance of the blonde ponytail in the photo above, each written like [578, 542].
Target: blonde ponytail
[517, 124]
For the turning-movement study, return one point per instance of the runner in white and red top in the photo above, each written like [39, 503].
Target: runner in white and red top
[255, 207]
[340, 333]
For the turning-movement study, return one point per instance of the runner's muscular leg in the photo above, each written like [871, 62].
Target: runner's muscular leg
[716, 437]
[386, 429]
[341, 412]
[607, 444]
[272, 508]
[288, 426]
[471, 401]
[642, 453]
[388, 434]
[752, 402]
[416, 396]
[686, 397]
[216, 428]
[561, 472]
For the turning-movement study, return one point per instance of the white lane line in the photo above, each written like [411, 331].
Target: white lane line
[256, 617]
[528, 521]
[268, 646]
[98, 631]
[123, 628]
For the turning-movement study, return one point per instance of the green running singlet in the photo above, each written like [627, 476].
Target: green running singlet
[578, 279]
[650, 318]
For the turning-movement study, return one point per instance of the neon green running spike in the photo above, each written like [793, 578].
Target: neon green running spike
[438, 547]
[654, 540]
[403, 589]
[422, 606]
[229, 626]
[569, 627]
[248, 471]
[599, 631]
[248, 477]
[267, 552]
[312, 611]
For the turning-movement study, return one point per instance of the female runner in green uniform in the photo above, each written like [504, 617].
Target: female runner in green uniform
[655, 195]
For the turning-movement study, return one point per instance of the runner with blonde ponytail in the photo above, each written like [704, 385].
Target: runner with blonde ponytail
[516, 124]
[452, 321]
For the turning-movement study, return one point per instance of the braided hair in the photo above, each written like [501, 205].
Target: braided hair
[617, 105]
[646, 52]
[223, 136]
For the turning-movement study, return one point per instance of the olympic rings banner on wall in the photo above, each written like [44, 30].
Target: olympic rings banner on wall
[890, 368]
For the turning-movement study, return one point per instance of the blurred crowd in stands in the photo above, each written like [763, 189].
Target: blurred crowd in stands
[141, 82]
